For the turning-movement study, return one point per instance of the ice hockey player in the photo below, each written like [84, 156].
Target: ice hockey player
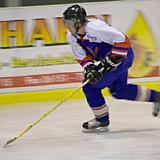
[98, 46]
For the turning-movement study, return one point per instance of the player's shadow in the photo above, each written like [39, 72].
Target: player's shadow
[134, 130]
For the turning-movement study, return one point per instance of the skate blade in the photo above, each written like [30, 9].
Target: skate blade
[96, 130]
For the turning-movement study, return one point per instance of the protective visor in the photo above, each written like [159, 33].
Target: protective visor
[68, 22]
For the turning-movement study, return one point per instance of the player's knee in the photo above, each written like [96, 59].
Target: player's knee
[118, 95]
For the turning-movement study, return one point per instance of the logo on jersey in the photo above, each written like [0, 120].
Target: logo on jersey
[91, 37]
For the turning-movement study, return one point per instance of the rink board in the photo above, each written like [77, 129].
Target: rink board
[36, 62]
[55, 95]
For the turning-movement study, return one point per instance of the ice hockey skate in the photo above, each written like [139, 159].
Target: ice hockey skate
[95, 126]
[156, 107]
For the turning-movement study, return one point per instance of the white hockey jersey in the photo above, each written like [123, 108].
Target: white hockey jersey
[100, 40]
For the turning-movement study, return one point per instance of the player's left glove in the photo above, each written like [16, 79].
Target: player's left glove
[111, 62]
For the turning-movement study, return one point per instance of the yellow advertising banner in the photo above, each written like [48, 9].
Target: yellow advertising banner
[144, 46]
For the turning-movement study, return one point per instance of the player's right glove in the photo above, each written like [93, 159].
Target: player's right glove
[92, 74]
[111, 62]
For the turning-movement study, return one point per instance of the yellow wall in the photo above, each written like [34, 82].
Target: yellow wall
[55, 95]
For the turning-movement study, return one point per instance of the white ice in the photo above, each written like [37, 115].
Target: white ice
[134, 134]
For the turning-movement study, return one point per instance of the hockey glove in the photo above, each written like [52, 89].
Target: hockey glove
[91, 73]
[110, 63]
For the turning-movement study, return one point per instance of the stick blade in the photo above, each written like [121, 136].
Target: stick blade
[10, 141]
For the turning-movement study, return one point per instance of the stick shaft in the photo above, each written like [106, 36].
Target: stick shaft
[50, 110]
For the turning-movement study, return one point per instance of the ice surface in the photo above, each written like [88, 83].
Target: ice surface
[134, 134]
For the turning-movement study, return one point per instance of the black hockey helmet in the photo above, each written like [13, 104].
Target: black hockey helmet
[75, 13]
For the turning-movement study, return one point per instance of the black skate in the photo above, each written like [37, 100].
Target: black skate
[95, 126]
[156, 107]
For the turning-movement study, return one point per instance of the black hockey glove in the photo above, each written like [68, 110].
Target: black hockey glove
[110, 63]
[91, 73]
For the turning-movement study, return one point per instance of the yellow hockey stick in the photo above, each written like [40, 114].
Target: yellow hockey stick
[45, 114]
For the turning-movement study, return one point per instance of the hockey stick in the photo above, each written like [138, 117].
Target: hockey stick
[45, 114]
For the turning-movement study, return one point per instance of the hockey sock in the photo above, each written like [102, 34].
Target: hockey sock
[135, 92]
[145, 94]
[97, 103]
[101, 113]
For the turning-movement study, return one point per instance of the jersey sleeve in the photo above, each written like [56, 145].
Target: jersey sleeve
[120, 43]
[121, 48]
[78, 51]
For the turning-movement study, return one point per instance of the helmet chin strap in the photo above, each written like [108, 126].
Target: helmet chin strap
[77, 27]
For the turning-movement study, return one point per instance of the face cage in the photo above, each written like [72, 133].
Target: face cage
[69, 22]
